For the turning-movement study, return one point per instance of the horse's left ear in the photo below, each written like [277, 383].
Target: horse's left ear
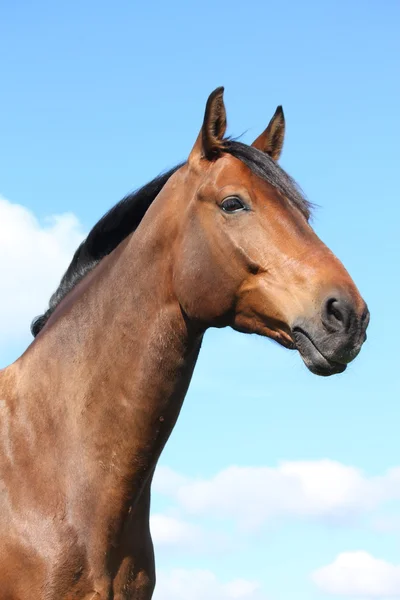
[209, 143]
[271, 140]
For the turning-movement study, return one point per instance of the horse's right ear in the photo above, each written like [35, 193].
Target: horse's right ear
[209, 143]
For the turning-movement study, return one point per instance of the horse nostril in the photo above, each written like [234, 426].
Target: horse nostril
[365, 317]
[336, 314]
[333, 308]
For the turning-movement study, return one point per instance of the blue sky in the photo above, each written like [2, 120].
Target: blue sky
[98, 98]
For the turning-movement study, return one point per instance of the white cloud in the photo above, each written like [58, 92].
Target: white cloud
[196, 584]
[33, 257]
[167, 481]
[174, 533]
[387, 524]
[252, 495]
[358, 574]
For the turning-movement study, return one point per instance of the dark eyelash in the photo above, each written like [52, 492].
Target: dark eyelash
[232, 204]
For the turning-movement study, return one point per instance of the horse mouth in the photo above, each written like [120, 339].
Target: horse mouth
[313, 358]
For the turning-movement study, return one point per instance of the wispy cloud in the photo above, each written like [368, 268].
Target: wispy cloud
[386, 524]
[358, 574]
[174, 533]
[33, 257]
[196, 584]
[322, 489]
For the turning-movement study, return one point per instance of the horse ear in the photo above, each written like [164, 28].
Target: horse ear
[209, 143]
[271, 140]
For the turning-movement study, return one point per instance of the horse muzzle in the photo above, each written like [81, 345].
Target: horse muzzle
[330, 340]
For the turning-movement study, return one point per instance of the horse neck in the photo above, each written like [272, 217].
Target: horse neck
[115, 363]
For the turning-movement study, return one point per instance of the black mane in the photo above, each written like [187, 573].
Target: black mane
[106, 235]
[266, 168]
[124, 218]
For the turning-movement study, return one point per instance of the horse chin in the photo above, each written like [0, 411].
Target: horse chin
[313, 358]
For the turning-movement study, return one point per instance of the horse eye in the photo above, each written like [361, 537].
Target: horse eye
[232, 204]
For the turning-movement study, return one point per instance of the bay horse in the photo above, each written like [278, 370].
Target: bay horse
[221, 240]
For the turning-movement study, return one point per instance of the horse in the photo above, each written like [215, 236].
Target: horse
[223, 239]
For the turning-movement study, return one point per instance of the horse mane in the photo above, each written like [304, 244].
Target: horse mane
[124, 218]
[119, 222]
